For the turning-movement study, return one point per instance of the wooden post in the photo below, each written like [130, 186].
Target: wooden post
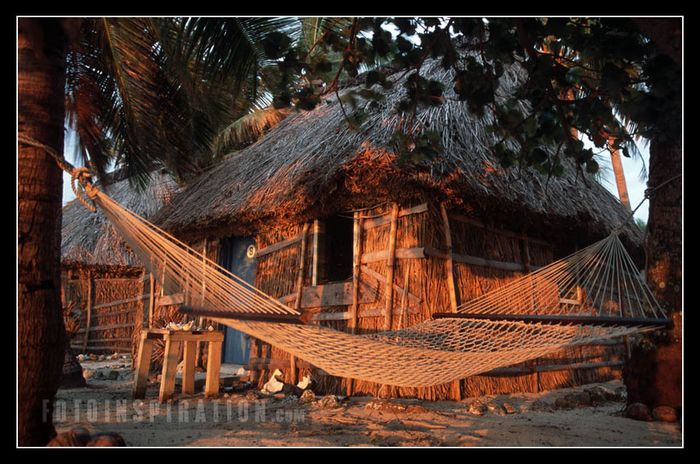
[143, 365]
[88, 314]
[449, 265]
[188, 368]
[170, 358]
[388, 303]
[356, 265]
[300, 292]
[451, 287]
[315, 246]
[211, 387]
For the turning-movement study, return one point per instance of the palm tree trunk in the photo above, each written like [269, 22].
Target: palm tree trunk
[653, 374]
[620, 181]
[41, 333]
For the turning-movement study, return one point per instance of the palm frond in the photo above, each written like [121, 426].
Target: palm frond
[247, 129]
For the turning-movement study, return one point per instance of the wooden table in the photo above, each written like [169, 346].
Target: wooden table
[173, 340]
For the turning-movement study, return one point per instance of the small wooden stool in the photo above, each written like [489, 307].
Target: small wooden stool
[173, 339]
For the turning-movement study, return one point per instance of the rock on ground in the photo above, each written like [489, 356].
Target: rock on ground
[664, 414]
[638, 411]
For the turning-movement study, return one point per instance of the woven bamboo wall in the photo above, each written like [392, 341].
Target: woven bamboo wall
[115, 300]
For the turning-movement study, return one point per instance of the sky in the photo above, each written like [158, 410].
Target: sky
[632, 167]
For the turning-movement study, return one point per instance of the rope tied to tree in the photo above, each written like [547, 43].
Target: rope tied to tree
[648, 194]
[82, 174]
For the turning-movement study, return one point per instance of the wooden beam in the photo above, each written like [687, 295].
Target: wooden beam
[390, 266]
[283, 244]
[88, 311]
[356, 264]
[477, 261]
[370, 223]
[399, 253]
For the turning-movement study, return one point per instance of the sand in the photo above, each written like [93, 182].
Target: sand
[236, 420]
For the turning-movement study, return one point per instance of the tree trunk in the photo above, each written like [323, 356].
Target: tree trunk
[620, 181]
[41, 333]
[653, 374]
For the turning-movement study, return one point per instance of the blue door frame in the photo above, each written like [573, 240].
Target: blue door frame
[233, 256]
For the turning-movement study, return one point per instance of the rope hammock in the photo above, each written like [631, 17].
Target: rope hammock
[591, 295]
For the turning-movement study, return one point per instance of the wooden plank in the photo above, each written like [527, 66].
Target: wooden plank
[400, 253]
[476, 261]
[283, 244]
[118, 302]
[341, 316]
[143, 364]
[188, 367]
[177, 298]
[370, 223]
[211, 387]
[88, 311]
[413, 299]
[390, 267]
[449, 268]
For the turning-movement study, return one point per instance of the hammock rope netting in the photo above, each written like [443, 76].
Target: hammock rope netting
[571, 297]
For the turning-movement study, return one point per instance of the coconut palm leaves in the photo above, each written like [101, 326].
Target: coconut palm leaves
[128, 108]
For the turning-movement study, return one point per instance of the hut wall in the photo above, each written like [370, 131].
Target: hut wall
[421, 262]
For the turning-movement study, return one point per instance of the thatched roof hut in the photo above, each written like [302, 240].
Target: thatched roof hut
[313, 164]
[323, 217]
[105, 288]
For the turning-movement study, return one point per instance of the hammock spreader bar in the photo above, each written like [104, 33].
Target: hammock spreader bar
[562, 319]
[227, 314]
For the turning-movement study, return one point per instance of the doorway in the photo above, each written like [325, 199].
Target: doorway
[237, 256]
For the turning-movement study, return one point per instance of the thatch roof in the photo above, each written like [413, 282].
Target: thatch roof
[313, 164]
[88, 239]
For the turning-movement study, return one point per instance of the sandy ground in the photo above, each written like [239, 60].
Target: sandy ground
[240, 420]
